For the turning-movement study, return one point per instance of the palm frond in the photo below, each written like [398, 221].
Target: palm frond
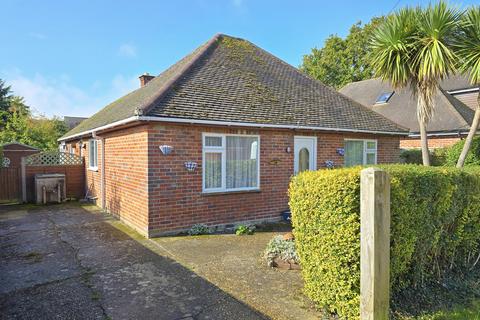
[393, 48]
[437, 27]
[468, 44]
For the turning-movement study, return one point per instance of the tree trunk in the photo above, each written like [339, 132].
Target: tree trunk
[471, 134]
[424, 142]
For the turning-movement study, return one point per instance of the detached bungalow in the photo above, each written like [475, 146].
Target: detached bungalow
[215, 138]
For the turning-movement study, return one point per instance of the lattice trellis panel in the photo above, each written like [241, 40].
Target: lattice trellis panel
[53, 158]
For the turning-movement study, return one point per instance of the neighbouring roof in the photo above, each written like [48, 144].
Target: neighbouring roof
[72, 122]
[232, 80]
[15, 144]
[450, 113]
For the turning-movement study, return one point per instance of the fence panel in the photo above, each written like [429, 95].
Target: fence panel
[10, 186]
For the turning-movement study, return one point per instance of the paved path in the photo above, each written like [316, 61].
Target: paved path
[65, 262]
[235, 265]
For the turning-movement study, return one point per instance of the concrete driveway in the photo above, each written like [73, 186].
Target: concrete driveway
[71, 262]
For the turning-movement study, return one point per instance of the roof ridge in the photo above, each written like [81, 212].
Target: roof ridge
[183, 70]
[360, 81]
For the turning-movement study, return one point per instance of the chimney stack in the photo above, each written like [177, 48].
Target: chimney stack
[145, 78]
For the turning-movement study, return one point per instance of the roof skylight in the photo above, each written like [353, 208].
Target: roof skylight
[384, 97]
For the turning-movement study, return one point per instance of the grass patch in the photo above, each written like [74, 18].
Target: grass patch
[95, 296]
[33, 257]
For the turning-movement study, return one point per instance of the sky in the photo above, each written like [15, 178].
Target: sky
[74, 57]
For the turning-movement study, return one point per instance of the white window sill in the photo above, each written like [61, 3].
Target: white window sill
[93, 169]
[225, 192]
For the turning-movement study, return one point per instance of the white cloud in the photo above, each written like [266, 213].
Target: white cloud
[127, 50]
[58, 96]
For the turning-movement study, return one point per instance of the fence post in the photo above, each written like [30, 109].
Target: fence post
[374, 244]
[24, 181]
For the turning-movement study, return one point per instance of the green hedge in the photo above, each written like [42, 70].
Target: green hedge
[435, 226]
[453, 152]
[414, 156]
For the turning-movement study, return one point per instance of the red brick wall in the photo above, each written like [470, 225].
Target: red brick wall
[176, 199]
[74, 179]
[126, 175]
[433, 142]
[154, 193]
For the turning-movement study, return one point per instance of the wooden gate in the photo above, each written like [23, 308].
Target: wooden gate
[10, 184]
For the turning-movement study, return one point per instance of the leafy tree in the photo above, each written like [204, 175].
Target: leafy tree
[468, 49]
[18, 124]
[413, 47]
[342, 61]
[5, 97]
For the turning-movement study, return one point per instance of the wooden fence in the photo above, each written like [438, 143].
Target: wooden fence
[17, 184]
[10, 184]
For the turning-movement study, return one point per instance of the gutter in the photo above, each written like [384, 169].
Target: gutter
[107, 126]
[470, 90]
[433, 134]
[223, 123]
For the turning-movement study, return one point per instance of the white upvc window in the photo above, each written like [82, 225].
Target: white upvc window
[230, 162]
[360, 152]
[93, 154]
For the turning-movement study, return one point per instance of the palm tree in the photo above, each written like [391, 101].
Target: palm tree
[414, 48]
[468, 50]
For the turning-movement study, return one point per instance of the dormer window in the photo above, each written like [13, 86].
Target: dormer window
[384, 97]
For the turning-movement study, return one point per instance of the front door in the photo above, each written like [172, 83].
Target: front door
[305, 157]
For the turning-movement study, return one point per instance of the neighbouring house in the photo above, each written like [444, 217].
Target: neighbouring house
[455, 104]
[216, 137]
[72, 122]
[13, 152]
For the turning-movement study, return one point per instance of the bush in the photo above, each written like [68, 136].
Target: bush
[473, 156]
[411, 156]
[281, 248]
[243, 230]
[435, 229]
[198, 229]
[414, 156]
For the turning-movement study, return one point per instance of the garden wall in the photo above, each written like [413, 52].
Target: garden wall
[435, 229]
[74, 179]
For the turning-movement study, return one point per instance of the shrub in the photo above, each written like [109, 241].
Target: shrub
[198, 229]
[411, 156]
[414, 156]
[435, 229]
[281, 248]
[243, 230]
[473, 157]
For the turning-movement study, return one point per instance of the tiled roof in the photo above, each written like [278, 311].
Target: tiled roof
[231, 79]
[450, 113]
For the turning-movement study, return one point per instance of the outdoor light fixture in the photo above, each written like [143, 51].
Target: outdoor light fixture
[341, 151]
[166, 150]
[288, 149]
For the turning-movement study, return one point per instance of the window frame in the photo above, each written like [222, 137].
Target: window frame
[223, 151]
[365, 150]
[390, 94]
[95, 155]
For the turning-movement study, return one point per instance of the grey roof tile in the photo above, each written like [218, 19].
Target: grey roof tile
[231, 79]
[450, 113]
